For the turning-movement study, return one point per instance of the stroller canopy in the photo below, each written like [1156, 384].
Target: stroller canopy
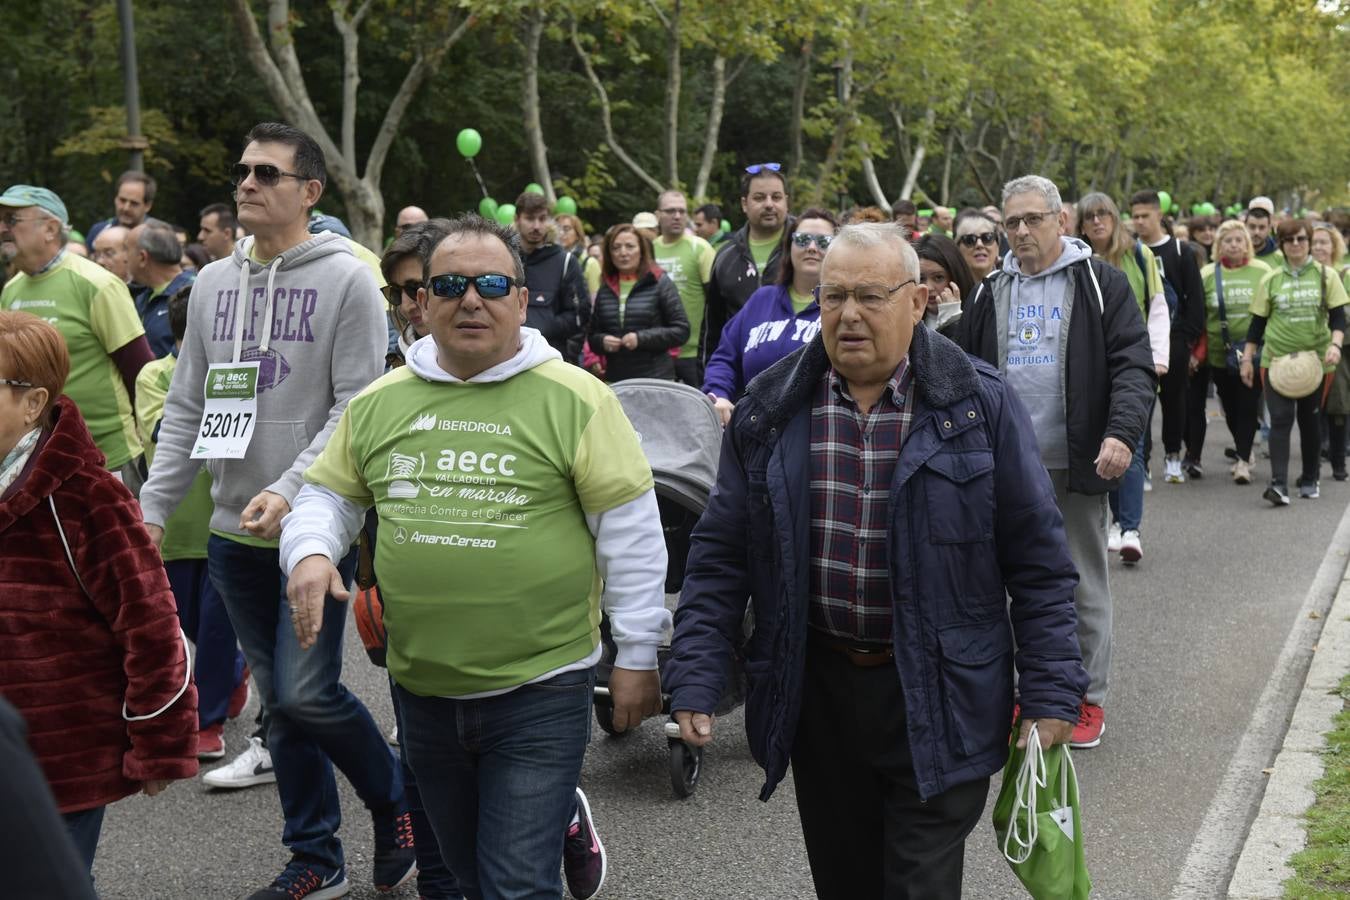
[680, 433]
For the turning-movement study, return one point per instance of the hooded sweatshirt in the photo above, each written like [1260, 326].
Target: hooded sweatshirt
[326, 341]
[1036, 335]
[505, 502]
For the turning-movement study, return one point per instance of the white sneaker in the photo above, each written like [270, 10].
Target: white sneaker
[1172, 473]
[1242, 472]
[253, 766]
[392, 739]
[1131, 551]
[1113, 538]
[1148, 482]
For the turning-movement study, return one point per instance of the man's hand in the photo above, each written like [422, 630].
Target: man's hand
[1050, 731]
[1113, 459]
[636, 694]
[262, 517]
[630, 341]
[156, 534]
[696, 728]
[313, 578]
[154, 786]
[723, 407]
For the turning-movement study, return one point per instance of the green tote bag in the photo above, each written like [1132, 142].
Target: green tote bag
[1037, 821]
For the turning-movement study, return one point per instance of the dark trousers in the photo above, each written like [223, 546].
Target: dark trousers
[868, 835]
[1197, 395]
[84, 828]
[1172, 395]
[1283, 413]
[1241, 405]
[219, 664]
[434, 879]
[1336, 442]
[689, 371]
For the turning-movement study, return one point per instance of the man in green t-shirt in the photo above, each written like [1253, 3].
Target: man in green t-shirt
[687, 259]
[92, 309]
[514, 503]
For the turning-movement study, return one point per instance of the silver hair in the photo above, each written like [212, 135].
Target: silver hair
[1034, 184]
[158, 240]
[875, 236]
[62, 228]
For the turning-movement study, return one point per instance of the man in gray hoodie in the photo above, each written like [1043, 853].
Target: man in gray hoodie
[298, 321]
[1065, 330]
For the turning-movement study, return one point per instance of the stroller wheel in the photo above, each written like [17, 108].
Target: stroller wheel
[685, 764]
[604, 717]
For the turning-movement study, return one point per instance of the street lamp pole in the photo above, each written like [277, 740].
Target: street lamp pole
[135, 142]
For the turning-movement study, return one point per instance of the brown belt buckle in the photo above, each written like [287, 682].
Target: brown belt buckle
[867, 659]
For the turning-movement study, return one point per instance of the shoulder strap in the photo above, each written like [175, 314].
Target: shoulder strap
[1218, 295]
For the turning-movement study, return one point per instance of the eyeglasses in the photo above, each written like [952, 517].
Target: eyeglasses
[265, 174]
[1033, 220]
[970, 240]
[9, 221]
[871, 297]
[492, 286]
[1096, 214]
[12, 383]
[763, 167]
[1296, 239]
[394, 292]
[803, 240]
[674, 211]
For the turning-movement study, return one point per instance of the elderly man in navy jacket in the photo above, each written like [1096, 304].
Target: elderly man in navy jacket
[879, 498]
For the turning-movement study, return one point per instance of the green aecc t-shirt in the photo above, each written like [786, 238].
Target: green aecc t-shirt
[1239, 287]
[1293, 304]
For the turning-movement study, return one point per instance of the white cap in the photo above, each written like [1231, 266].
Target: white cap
[1262, 203]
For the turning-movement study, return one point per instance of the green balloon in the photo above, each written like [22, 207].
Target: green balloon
[1164, 200]
[1195, 209]
[469, 142]
[1207, 209]
[726, 226]
[506, 213]
[487, 208]
[534, 188]
[565, 206]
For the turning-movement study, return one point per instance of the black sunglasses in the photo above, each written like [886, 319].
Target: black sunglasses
[763, 167]
[266, 174]
[970, 240]
[394, 292]
[491, 286]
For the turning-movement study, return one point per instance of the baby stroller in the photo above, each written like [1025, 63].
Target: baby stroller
[681, 435]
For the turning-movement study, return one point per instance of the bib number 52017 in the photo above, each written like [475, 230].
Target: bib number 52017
[229, 411]
[225, 425]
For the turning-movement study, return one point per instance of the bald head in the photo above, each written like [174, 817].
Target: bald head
[408, 215]
[110, 250]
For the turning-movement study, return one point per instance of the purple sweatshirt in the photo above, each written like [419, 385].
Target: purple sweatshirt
[764, 331]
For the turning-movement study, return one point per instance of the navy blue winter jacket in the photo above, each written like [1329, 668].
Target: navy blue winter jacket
[973, 520]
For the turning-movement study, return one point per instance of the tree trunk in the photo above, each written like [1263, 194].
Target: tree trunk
[673, 73]
[710, 137]
[803, 80]
[920, 150]
[947, 168]
[534, 129]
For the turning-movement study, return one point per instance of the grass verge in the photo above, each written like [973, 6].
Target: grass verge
[1322, 869]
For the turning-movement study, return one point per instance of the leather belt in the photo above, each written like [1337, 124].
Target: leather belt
[864, 656]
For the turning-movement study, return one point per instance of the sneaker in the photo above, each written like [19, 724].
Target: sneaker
[395, 856]
[1230, 453]
[1276, 494]
[1309, 490]
[1338, 474]
[1090, 728]
[305, 880]
[239, 696]
[1148, 482]
[584, 860]
[253, 766]
[1242, 472]
[392, 738]
[1113, 538]
[1131, 551]
[1172, 473]
[1193, 468]
[211, 742]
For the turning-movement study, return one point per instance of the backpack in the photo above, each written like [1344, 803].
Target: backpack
[1169, 292]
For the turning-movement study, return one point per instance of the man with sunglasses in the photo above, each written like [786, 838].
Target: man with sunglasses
[688, 260]
[293, 323]
[559, 302]
[488, 457]
[1066, 330]
[749, 257]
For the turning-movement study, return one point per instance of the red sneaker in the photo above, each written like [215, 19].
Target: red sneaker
[239, 696]
[210, 742]
[1091, 725]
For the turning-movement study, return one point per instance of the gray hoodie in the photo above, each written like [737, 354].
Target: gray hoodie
[1038, 325]
[327, 341]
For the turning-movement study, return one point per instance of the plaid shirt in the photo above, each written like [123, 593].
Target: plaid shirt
[853, 457]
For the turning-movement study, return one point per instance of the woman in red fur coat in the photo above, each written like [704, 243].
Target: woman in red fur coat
[90, 649]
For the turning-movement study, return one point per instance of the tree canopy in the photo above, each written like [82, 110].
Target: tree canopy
[607, 101]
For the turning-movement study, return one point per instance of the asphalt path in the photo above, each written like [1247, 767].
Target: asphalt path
[1199, 625]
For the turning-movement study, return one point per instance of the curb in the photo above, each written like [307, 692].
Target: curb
[1279, 830]
[1234, 830]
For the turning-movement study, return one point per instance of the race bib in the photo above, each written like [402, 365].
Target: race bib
[229, 413]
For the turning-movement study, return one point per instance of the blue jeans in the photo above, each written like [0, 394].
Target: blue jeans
[1127, 501]
[218, 665]
[84, 828]
[498, 777]
[434, 879]
[313, 721]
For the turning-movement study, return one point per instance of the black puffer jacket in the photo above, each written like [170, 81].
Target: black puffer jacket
[654, 312]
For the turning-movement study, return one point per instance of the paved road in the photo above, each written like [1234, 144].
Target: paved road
[1199, 625]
